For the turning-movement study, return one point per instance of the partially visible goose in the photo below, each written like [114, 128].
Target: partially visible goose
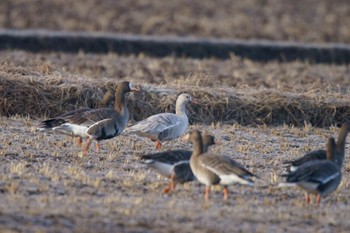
[319, 177]
[164, 126]
[95, 124]
[321, 154]
[211, 169]
[175, 164]
[50, 124]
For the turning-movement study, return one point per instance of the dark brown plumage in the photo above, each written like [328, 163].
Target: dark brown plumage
[94, 124]
[211, 169]
[321, 154]
[175, 164]
[319, 177]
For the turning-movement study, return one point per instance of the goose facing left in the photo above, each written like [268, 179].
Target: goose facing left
[94, 124]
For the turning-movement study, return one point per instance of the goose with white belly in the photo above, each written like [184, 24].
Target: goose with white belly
[164, 126]
[211, 169]
[94, 124]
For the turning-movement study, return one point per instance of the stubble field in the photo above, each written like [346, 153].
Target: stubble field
[46, 186]
[263, 114]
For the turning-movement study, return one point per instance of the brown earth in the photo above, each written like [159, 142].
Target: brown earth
[304, 20]
[46, 187]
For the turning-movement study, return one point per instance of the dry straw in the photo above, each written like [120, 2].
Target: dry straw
[45, 93]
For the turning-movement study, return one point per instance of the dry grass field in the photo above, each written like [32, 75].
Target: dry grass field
[46, 187]
[303, 20]
[263, 114]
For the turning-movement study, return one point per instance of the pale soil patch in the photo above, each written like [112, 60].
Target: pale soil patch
[45, 186]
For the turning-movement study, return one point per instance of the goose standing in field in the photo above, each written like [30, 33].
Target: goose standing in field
[164, 126]
[319, 177]
[175, 164]
[50, 124]
[293, 165]
[94, 124]
[211, 169]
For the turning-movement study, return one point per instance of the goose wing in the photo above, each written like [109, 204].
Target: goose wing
[313, 155]
[319, 172]
[163, 124]
[227, 169]
[88, 118]
[169, 157]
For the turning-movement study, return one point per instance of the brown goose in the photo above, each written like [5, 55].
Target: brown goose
[51, 123]
[175, 164]
[321, 154]
[319, 177]
[94, 124]
[164, 126]
[211, 169]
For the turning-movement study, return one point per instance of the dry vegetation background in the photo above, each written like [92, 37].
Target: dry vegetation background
[263, 113]
[303, 20]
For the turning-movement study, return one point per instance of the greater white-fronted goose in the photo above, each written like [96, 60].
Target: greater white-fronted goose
[211, 169]
[50, 124]
[174, 164]
[164, 126]
[293, 165]
[319, 177]
[94, 124]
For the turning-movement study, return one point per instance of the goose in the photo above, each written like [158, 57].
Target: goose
[94, 124]
[319, 177]
[51, 123]
[211, 169]
[174, 164]
[293, 165]
[164, 126]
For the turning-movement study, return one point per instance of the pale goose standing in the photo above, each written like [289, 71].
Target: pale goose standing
[164, 126]
[293, 165]
[211, 169]
[95, 124]
[50, 124]
[174, 164]
[319, 177]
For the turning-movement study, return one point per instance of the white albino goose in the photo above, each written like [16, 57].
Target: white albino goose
[319, 177]
[94, 124]
[164, 126]
[293, 165]
[211, 169]
[49, 124]
[175, 164]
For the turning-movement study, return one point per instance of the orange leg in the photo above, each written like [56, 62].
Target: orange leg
[207, 192]
[86, 147]
[98, 147]
[225, 193]
[171, 185]
[318, 200]
[158, 145]
[307, 198]
[79, 141]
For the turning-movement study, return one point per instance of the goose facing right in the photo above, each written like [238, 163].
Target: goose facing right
[52, 123]
[164, 126]
[319, 177]
[95, 124]
[211, 169]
